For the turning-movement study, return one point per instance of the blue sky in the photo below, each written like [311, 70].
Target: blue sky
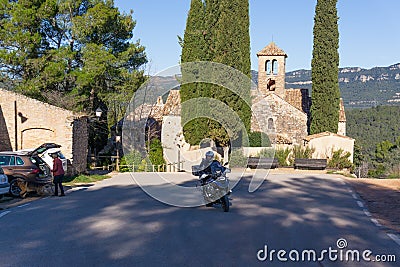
[368, 30]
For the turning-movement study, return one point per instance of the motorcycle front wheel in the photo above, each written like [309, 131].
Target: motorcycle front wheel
[225, 203]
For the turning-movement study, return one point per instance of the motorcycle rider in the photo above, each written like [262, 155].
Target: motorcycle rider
[209, 165]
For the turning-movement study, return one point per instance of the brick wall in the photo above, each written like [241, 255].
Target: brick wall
[38, 123]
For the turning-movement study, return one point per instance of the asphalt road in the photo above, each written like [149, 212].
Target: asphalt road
[115, 223]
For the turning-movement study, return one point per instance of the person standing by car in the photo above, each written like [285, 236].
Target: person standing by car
[58, 174]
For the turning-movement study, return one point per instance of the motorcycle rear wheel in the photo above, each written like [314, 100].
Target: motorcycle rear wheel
[225, 203]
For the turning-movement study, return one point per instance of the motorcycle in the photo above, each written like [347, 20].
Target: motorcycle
[214, 187]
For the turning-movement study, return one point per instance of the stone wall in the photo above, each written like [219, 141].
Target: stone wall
[281, 121]
[5, 142]
[264, 77]
[80, 137]
[27, 123]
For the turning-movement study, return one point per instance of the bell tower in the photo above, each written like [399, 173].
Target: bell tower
[271, 70]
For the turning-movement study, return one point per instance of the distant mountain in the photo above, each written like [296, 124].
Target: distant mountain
[360, 88]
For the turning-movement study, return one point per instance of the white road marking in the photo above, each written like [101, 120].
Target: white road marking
[360, 204]
[4, 213]
[367, 213]
[21, 206]
[375, 221]
[395, 238]
[354, 196]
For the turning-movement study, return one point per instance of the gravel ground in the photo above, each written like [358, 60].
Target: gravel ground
[382, 197]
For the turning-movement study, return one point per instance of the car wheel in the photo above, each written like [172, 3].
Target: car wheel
[15, 190]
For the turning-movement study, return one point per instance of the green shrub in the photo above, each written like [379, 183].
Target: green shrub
[237, 159]
[282, 155]
[303, 152]
[259, 139]
[156, 152]
[266, 153]
[340, 160]
[378, 172]
[133, 158]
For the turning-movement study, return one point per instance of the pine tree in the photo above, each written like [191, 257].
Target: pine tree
[76, 54]
[325, 69]
[77, 49]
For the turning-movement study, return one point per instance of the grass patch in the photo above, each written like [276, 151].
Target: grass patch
[84, 179]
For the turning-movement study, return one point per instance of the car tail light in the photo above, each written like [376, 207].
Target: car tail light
[35, 171]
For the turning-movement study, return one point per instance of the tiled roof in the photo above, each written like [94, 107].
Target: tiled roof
[324, 134]
[298, 98]
[280, 139]
[272, 50]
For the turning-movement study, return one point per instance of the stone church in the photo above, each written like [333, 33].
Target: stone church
[284, 113]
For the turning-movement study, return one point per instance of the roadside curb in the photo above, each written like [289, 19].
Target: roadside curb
[15, 202]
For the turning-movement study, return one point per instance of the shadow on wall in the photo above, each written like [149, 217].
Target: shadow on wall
[5, 142]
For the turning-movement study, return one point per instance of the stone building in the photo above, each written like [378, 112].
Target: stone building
[324, 144]
[27, 123]
[286, 117]
[283, 113]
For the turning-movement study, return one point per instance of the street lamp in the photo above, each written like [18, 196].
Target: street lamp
[179, 140]
[99, 111]
[117, 140]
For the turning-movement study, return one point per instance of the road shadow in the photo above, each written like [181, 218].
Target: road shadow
[123, 226]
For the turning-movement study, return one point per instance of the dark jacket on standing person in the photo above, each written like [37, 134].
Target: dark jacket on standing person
[57, 167]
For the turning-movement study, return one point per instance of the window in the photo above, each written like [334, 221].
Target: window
[5, 160]
[270, 124]
[20, 161]
[275, 66]
[12, 161]
[268, 67]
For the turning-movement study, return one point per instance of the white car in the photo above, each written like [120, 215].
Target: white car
[4, 185]
[46, 156]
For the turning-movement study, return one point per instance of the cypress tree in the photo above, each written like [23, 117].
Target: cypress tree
[230, 42]
[194, 49]
[224, 39]
[325, 69]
